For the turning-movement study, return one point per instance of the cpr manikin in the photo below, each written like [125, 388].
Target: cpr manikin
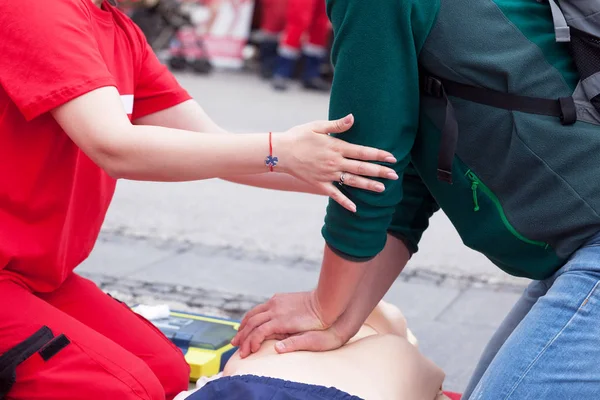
[381, 362]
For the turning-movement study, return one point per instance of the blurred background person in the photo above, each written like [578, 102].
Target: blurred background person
[306, 34]
[272, 24]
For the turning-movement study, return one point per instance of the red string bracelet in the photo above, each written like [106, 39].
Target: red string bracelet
[271, 161]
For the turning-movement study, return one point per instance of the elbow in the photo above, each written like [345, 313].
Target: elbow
[114, 164]
[113, 152]
[113, 170]
[110, 159]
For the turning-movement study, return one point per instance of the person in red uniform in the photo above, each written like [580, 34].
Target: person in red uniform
[84, 101]
[304, 18]
[272, 24]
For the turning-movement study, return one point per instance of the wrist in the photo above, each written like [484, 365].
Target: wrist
[346, 327]
[337, 285]
[324, 310]
[281, 144]
[327, 319]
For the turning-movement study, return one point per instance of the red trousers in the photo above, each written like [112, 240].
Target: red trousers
[113, 353]
[297, 18]
[272, 16]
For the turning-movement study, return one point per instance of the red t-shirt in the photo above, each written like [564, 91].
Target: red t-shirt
[53, 198]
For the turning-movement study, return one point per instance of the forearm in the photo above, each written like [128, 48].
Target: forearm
[338, 282]
[164, 154]
[379, 276]
[281, 182]
[190, 116]
[159, 153]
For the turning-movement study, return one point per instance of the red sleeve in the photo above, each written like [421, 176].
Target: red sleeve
[156, 88]
[48, 54]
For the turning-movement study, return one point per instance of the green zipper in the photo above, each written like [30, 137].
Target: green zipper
[476, 185]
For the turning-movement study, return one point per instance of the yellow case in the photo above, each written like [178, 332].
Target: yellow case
[203, 361]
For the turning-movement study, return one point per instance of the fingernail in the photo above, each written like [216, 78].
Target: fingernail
[390, 160]
[380, 187]
[392, 175]
[353, 208]
[280, 346]
[348, 119]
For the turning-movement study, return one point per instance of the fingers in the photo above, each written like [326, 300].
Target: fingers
[303, 342]
[251, 325]
[259, 335]
[368, 169]
[365, 153]
[337, 126]
[253, 343]
[363, 183]
[333, 192]
[268, 330]
[277, 336]
[309, 341]
[256, 310]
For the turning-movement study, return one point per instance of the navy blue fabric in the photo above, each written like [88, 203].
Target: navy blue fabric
[250, 387]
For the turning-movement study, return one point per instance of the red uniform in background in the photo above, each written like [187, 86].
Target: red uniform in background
[296, 20]
[291, 28]
[306, 19]
[53, 200]
[272, 17]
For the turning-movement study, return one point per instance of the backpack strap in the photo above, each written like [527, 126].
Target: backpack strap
[434, 87]
[561, 28]
[563, 108]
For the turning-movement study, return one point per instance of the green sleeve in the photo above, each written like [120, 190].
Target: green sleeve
[411, 216]
[375, 56]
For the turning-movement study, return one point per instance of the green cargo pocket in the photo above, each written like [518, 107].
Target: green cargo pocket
[478, 188]
[483, 225]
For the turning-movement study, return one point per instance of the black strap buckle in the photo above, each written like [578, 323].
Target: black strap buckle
[433, 86]
[568, 111]
[42, 341]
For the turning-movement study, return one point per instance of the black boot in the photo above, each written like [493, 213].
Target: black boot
[319, 84]
[283, 72]
[311, 77]
[268, 57]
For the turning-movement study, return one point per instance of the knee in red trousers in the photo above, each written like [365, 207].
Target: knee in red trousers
[272, 19]
[320, 29]
[78, 368]
[172, 371]
[298, 19]
[111, 352]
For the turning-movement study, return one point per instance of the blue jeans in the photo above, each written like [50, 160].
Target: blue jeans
[548, 347]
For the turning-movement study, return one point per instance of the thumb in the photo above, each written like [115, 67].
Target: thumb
[337, 126]
[308, 341]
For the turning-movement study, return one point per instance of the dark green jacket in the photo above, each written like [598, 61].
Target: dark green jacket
[526, 189]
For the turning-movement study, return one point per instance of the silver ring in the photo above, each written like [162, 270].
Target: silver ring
[342, 178]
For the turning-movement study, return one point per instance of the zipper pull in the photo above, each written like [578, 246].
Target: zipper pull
[474, 186]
